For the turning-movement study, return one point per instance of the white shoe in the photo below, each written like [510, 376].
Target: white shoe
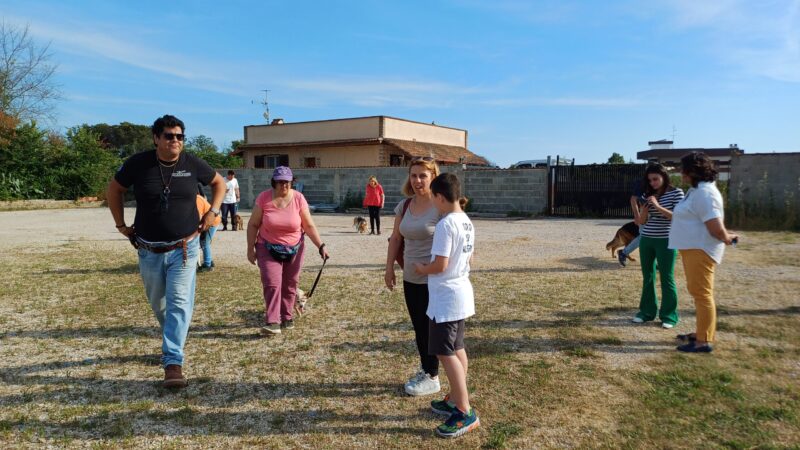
[667, 326]
[425, 385]
[414, 379]
[637, 319]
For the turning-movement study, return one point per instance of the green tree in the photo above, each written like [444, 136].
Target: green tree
[205, 148]
[616, 158]
[126, 138]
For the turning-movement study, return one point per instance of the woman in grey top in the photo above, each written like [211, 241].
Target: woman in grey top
[415, 224]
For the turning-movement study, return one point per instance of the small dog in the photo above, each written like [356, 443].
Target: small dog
[238, 226]
[360, 224]
[624, 236]
[300, 302]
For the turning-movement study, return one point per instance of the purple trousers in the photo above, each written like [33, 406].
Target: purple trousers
[279, 279]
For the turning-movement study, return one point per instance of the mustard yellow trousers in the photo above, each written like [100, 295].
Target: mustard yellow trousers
[699, 270]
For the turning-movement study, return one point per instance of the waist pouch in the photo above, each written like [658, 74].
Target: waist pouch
[282, 252]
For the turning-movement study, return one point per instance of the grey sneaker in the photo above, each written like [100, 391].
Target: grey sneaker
[622, 257]
[424, 385]
[271, 329]
[637, 319]
[288, 324]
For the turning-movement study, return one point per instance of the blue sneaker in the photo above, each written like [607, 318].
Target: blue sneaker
[692, 348]
[458, 424]
[443, 407]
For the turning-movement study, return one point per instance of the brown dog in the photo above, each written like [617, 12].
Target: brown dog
[360, 224]
[624, 236]
[238, 226]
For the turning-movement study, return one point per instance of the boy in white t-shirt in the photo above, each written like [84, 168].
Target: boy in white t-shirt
[451, 301]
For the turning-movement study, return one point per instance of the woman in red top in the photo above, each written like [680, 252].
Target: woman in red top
[374, 202]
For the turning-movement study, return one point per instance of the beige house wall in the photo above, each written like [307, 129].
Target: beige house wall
[330, 130]
[414, 131]
[328, 156]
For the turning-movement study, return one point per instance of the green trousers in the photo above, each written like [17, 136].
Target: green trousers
[652, 250]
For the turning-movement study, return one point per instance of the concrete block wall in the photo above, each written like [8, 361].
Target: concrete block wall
[764, 190]
[492, 191]
[505, 190]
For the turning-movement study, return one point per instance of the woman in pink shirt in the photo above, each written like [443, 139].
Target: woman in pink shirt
[275, 242]
[373, 201]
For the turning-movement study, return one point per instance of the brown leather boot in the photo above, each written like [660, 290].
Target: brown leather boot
[173, 378]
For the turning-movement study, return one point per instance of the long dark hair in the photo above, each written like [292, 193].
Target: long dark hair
[665, 185]
[698, 167]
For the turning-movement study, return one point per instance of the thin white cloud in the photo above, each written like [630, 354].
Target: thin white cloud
[576, 102]
[761, 37]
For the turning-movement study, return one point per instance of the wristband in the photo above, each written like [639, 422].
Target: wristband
[121, 226]
[320, 248]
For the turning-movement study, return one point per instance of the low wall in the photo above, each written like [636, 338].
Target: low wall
[764, 191]
[499, 191]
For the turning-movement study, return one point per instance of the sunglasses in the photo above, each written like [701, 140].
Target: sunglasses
[170, 136]
[422, 158]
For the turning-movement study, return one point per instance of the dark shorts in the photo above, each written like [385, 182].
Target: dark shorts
[445, 338]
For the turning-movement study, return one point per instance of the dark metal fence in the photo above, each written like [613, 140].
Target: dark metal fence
[597, 190]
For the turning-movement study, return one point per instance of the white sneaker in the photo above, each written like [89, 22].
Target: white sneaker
[667, 326]
[414, 379]
[637, 319]
[424, 385]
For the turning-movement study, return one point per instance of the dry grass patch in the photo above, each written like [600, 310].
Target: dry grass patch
[554, 359]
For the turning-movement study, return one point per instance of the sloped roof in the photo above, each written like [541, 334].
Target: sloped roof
[448, 154]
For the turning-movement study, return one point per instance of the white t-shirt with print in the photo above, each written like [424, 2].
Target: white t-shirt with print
[230, 194]
[451, 295]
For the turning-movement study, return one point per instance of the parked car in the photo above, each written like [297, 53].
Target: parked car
[539, 163]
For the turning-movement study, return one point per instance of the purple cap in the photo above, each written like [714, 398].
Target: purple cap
[282, 173]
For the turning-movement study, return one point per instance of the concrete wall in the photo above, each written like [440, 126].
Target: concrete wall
[423, 132]
[328, 156]
[492, 191]
[764, 190]
[324, 130]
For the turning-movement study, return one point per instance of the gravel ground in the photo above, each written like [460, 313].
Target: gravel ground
[535, 245]
[500, 243]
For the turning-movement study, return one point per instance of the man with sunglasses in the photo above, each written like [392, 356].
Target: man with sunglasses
[166, 231]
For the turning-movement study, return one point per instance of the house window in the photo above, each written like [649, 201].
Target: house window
[270, 161]
[310, 162]
[395, 160]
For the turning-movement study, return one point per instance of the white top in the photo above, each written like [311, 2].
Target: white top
[451, 295]
[689, 218]
[230, 190]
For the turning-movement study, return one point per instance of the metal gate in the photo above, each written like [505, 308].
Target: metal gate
[597, 190]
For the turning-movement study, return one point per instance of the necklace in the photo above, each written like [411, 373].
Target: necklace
[164, 197]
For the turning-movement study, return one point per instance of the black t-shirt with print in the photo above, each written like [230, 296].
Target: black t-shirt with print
[147, 176]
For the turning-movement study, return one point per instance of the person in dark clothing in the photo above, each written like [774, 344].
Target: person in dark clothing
[165, 231]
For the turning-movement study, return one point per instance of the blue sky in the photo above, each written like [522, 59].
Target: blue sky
[527, 79]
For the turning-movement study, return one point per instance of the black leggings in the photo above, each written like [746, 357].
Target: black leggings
[374, 217]
[417, 302]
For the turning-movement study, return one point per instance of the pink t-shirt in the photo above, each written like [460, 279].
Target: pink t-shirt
[280, 225]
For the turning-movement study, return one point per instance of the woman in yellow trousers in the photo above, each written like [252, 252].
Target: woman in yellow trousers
[698, 233]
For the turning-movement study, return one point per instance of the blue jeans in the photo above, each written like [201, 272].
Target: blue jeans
[169, 285]
[205, 244]
[630, 248]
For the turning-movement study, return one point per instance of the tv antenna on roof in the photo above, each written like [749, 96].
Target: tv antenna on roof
[674, 133]
[265, 104]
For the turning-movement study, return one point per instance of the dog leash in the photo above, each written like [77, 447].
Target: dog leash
[314, 286]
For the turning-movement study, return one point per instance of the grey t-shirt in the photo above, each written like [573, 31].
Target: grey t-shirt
[418, 234]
